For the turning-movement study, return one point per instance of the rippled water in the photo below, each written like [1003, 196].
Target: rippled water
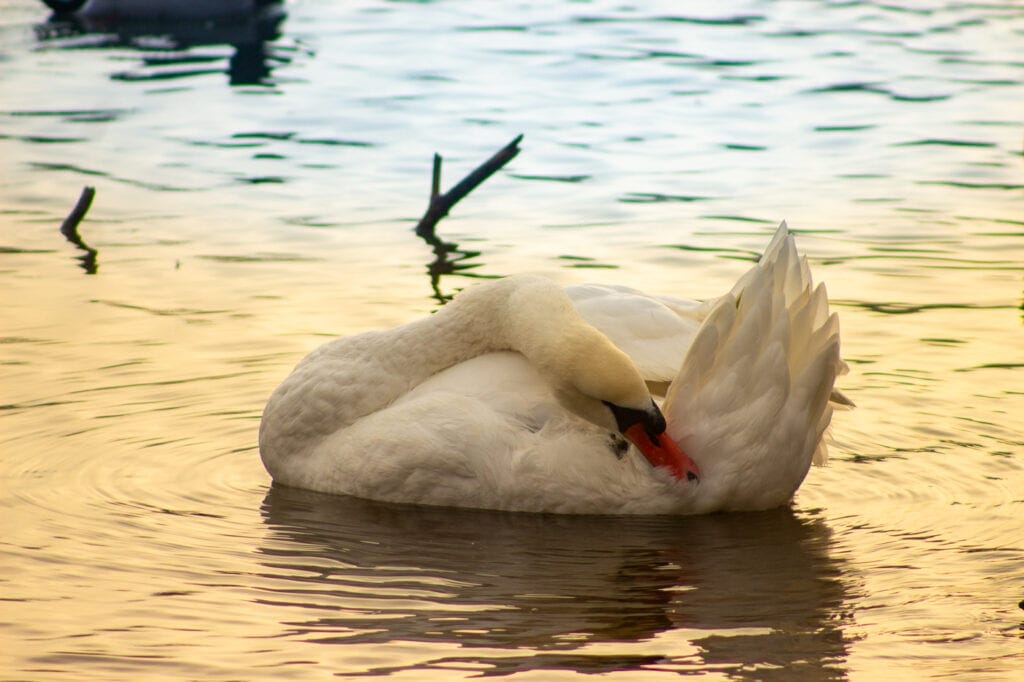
[257, 183]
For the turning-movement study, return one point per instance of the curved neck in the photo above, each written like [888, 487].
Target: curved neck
[528, 314]
[350, 378]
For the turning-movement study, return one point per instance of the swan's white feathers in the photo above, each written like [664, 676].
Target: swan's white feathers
[750, 403]
[653, 331]
[534, 446]
[440, 412]
[582, 364]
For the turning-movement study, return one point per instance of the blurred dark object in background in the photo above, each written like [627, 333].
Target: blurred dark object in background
[169, 26]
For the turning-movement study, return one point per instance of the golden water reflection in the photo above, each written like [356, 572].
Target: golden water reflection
[239, 227]
[745, 594]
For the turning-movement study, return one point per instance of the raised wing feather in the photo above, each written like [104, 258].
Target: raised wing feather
[751, 401]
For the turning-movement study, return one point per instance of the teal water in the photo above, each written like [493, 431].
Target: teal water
[257, 183]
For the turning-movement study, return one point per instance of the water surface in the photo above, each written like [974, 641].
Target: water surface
[257, 186]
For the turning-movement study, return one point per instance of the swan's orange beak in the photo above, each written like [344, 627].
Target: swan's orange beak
[662, 451]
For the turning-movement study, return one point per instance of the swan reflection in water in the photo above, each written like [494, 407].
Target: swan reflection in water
[755, 595]
[167, 30]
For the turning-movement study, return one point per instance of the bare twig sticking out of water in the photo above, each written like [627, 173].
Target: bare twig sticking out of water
[448, 257]
[69, 228]
[440, 204]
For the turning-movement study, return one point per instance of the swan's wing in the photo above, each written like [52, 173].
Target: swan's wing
[487, 433]
[751, 400]
[654, 331]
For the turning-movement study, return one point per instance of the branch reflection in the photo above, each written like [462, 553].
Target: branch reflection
[756, 595]
[449, 259]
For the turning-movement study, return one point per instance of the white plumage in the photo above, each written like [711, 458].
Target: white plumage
[500, 400]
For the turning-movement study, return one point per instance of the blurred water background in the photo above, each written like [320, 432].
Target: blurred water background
[258, 173]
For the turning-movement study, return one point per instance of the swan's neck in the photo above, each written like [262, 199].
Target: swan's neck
[351, 378]
[528, 314]
[496, 316]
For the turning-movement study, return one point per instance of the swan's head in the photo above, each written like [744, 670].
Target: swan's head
[601, 384]
[590, 375]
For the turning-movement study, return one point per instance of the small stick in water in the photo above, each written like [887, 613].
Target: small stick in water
[440, 204]
[69, 228]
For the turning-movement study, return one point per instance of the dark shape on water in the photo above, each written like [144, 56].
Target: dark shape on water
[246, 25]
[449, 259]
[441, 204]
[249, 64]
[657, 197]
[895, 308]
[65, 6]
[69, 228]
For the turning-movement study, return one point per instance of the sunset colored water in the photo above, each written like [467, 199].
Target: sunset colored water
[257, 184]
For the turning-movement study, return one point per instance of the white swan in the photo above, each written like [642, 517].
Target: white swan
[517, 395]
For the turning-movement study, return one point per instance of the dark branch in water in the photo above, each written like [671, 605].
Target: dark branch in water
[440, 204]
[448, 257]
[69, 228]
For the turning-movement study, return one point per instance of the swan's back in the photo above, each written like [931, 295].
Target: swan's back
[654, 331]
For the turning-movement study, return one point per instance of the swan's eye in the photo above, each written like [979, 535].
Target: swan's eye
[652, 419]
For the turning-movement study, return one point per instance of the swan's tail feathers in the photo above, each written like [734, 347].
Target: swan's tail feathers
[753, 397]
